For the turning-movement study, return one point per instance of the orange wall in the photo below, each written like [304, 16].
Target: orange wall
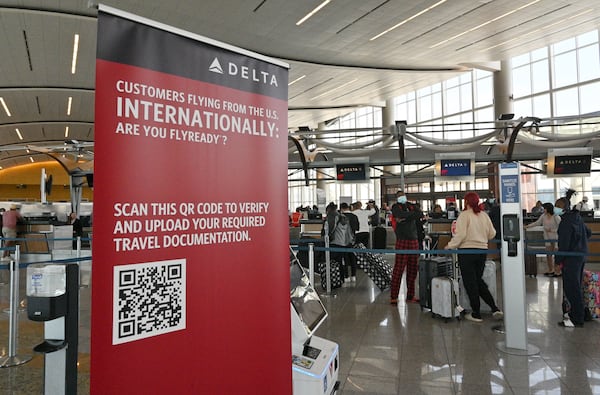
[30, 175]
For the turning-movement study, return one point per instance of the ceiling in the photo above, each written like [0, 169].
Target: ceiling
[333, 53]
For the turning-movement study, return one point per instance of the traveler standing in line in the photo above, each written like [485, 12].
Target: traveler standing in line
[362, 234]
[473, 231]
[405, 217]
[583, 205]
[375, 219]
[550, 223]
[349, 257]
[573, 236]
[538, 209]
[340, 235]
[9, 229]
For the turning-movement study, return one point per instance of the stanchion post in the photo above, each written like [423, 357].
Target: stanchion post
[12, 359]
[311, 263]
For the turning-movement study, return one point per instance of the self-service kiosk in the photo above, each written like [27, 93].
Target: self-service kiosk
[315, 361]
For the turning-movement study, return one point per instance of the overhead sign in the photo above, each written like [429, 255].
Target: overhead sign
[352, 172]
[569, 162]
[190, 230]
[454, 166]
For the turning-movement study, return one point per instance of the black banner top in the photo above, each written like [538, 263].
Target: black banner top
[149, 47]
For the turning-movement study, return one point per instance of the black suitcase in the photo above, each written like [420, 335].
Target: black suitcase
[336, 274]
[379, 238]
[531, 265]
[429, 268]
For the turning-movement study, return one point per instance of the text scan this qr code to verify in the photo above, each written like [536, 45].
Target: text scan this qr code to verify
[149, 299]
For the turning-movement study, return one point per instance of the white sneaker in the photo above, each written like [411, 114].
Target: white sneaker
[353, 279]
[470, 317]
[498, 315]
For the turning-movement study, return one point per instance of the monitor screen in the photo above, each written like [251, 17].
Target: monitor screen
[352, 172]
[455, 167]
[572, 164]
[305, 300]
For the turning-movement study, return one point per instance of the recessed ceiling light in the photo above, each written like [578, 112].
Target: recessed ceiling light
[313, 12]
[296, 80]
[75, 50]
[69, 102]
[66, 131]
[408, 20]
[485, 23]
[5, 106]
[31, 159]
[19, 134]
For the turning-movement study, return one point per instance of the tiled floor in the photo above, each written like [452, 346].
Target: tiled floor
[387, 349]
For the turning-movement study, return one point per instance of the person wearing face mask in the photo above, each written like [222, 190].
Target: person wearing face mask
[573, 236]
[405, 216]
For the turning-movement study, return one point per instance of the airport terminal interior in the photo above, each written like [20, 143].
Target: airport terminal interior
[433, 98]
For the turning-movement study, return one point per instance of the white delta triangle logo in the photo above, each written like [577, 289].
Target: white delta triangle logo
[244, 72]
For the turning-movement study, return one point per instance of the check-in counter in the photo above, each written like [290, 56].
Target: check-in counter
[38, 237]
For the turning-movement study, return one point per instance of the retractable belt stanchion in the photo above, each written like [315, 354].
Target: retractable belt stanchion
[311, 263]
[327, 259]
[12, 359]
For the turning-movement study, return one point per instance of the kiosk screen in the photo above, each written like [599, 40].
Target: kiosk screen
[305, 299]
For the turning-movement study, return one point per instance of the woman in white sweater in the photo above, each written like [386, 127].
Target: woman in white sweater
[473, 231]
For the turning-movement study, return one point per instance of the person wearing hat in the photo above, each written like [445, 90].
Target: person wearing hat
[583, 205]
[9, 229]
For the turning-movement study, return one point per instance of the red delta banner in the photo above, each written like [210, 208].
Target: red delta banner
[191, 275]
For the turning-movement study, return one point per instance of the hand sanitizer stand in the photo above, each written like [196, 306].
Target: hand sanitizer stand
[53, 298]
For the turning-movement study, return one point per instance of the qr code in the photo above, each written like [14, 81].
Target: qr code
[149, 299]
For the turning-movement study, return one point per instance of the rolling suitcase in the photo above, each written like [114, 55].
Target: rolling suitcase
[379, 238]
[531, 265]
[444, 298]
[489, 276]
[336, 274]
[375, 266]
[430, 267]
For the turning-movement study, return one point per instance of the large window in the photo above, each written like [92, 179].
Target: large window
[555, 81]
[562, 80]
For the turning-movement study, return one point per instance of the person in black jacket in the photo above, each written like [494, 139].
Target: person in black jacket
[405, 216]
[573, 236]
[349, 257]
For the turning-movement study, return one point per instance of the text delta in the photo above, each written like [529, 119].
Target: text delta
[247, 73]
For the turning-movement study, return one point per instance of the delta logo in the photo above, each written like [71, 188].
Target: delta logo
[243, 72]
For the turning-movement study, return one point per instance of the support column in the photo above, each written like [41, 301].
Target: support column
[503, 96]
[321, 187]
[388, 118]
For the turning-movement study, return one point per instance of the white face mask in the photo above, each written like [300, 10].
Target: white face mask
[558, 211]
[402, 199]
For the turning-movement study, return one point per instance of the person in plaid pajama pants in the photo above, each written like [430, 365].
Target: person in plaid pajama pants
[405, 217]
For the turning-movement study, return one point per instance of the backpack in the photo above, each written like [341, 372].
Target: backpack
[342, 233]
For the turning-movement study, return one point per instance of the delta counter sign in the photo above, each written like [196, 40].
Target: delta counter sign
[191, 273]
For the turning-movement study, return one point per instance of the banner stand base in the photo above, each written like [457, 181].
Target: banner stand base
[531, 349]
[16, 360]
